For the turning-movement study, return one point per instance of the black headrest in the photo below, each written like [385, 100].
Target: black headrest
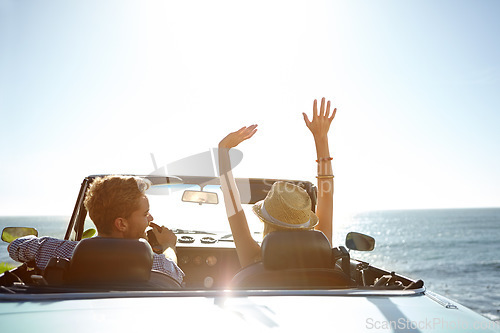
[296, 249]
[110, 260]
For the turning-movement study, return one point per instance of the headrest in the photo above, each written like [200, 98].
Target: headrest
[296, 249]
[110, 260]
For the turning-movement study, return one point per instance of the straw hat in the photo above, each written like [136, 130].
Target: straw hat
[286, 206]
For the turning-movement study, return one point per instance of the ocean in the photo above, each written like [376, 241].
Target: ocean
[456, 252]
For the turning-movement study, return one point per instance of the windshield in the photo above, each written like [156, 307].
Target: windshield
[168, 209]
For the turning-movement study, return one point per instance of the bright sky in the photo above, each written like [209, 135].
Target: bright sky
[91, 87]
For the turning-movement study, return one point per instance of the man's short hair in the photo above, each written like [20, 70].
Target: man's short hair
[111, 197]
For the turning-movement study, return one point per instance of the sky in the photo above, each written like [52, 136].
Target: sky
[91, 87]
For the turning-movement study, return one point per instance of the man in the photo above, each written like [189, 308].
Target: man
[119, 208]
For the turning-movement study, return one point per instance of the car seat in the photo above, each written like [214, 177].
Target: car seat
[293, 260]
[110, 263]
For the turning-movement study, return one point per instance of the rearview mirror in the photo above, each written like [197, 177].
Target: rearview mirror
[200, 197]
[10, 234]
[359, 242]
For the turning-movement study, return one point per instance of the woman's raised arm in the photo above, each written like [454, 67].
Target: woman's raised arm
[319, 126]
[246, 247]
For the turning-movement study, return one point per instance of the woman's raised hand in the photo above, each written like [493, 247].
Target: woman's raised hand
[320, 123]
[235, 138]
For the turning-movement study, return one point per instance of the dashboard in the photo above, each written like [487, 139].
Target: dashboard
[209, 262]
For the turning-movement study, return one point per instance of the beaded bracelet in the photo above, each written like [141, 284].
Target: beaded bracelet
[324, 159]
[325, 176]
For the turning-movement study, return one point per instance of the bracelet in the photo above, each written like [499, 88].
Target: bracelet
[325, 176]
[324, 159]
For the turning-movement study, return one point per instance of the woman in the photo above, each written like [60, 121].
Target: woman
[285, 206]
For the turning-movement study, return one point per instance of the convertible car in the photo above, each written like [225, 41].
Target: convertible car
[302, 282]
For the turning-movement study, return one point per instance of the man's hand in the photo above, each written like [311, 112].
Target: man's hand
[167, 240]
[165, 237]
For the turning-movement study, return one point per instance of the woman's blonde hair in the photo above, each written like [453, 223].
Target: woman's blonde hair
[268, 228]
[111, 197]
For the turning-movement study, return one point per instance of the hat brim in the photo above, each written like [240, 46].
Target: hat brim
[313, 218]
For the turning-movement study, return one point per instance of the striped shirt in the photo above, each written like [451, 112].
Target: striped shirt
[42, 249]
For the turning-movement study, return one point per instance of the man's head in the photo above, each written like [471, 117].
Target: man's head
[118, 206]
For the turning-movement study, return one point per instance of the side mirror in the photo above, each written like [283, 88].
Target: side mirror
[359, 242]
[89, 233]
[10, 234]
[200, 197]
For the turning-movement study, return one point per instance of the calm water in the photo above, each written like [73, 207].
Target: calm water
[455, 251]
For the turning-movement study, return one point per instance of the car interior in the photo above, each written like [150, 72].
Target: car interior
[208, 260]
